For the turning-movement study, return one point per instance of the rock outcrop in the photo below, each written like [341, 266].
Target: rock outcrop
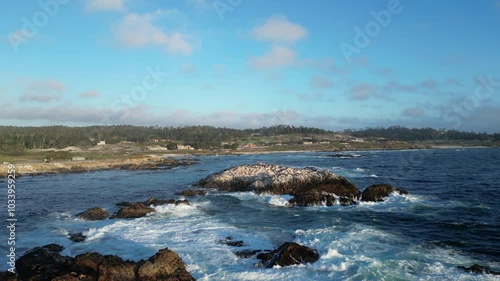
[93, 214]
[132, 211]
[77, 237]
[46, 263]
[303, 183]
[377, 192]
[289, 254]
[479, 269]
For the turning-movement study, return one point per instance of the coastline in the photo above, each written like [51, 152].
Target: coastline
[156, 161]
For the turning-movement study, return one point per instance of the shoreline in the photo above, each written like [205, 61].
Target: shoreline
[157, 161]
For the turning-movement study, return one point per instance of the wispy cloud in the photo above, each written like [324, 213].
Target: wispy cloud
[277, 57]
[105, 5]
[43, 91]
[361, 91]
[320, 82]
[413, 112]
[278, 29]
[140, 31]
[90, 94]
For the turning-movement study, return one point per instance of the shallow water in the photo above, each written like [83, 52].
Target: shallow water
[450, 218]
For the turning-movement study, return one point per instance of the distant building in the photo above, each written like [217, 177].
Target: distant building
[248, 146]
[101, 143]
[357, 140]
[324, 142]
[77, 158]
[157, 147]
[307, 142]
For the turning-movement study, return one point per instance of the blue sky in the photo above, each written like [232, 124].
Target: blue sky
[246, 64]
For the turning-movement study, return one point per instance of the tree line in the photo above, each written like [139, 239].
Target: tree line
[25, 138]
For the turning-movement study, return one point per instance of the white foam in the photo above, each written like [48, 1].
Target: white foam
[280, 200]
[359, 170]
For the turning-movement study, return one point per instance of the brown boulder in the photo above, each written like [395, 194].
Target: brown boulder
[164, 265]
[289, 254]
[377, 192]
[93, 214]
[192, 192]
[134, 210]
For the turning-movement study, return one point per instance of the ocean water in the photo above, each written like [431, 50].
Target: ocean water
[451, 217]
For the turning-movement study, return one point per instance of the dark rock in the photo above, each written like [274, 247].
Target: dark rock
[377, 192]
[77, 237]
[346, 201]
[44, 263]
[245, 254]
[289, 254]
[134, 210]
[8, 276]
[313, 198]
[182, 202]
[164, 265]
[192, 192]
[157, 202]
[275, 179]
[93, 214]
[478, 269]
[230, 242]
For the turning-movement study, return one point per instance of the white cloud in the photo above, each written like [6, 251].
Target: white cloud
[105, 5]
[140, 31]
[90, 94]
[277, 57]
[278, 29]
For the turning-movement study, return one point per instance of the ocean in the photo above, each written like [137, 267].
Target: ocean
[451, 217]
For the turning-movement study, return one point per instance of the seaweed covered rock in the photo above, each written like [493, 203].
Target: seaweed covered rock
[305, 183]
[289, 254]
[377, 192]
[134, 210]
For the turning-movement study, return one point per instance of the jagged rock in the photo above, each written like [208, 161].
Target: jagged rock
[182, 202]
[134, 210]
[479, 269]
[377, 192]
[289, 254]
[230, 242]
[313, 198]
[157, 202]
[77, 237]
[192, 192]
[164, 265]
[45, 263]
[93, 214]
[276, 179]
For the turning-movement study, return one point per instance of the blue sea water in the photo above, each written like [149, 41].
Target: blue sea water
[451, 217]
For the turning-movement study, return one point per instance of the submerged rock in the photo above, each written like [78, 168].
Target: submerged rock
[134, 210]
[45, 263]
[192, 192]
[230, 242]
[93, 214]
[313, 198]
[77, 237]
[479, 269]
[304, 183]
[377, 192]
[289, 254]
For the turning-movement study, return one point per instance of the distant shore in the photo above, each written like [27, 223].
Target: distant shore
[152, 161]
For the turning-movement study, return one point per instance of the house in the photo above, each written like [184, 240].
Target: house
[76, 158]
[101, 143]
[307, 142]
[157, 147]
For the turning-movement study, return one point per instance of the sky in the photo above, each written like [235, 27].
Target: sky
[251, 63]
